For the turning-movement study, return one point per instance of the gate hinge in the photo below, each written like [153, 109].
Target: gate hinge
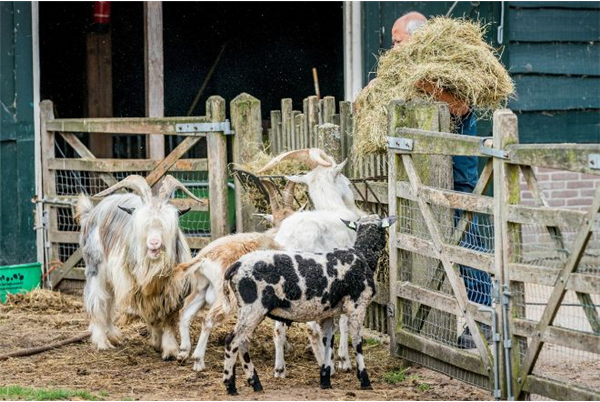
[404, 144]
[496, 153]
[224, 126]
[594, 161]
[391, 310]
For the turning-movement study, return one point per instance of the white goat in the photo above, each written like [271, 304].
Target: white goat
[209, 265]
[302, 286]
[318, 231]
[131, 243]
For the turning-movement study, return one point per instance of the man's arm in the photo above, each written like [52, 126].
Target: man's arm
[457, 107]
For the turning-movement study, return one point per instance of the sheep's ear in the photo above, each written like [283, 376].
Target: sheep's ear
[387, 222]
[184, 211]
[350, 224]
[128, 210]
[297, 179]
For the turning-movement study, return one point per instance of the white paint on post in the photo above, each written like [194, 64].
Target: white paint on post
[39, 208]
[353, 50]
[154, 73]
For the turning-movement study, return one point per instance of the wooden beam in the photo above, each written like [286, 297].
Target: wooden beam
[436, 143]
[449, 198]
[123, 165]
[578, 282]
[59, 273]
[129, 125]
[568, 338]
[99, 88]
[459, 358]
[197, 242]
[558, 390]
[164, 165]
[154, 73]
[572, 157]
[545, 216]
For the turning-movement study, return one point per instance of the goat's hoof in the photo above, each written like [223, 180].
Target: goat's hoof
[104, 345]
[366, 387]
[183, 355]
[325, 386]
[169, 355]
[198, 365]
[280, 372]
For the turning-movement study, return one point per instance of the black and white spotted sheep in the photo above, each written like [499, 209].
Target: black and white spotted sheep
[301, 287]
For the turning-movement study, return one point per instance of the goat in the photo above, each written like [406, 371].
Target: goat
[300, 286]
[209, 266]
[131, 243]
[320, 230]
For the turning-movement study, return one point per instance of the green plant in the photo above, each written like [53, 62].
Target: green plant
[38, 394]
[424, 387]
[370, 341]
[395, 376]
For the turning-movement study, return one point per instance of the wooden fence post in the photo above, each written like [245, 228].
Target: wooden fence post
[507, 191]
[286, 125]
[48, 178]
[346, 131]
[247, 141]
[217, 170]
[313, 120]
[328, 139]
[275, 146]
[434, 171]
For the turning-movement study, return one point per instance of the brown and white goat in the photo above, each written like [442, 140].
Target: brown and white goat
[131, 243]
[209, 266]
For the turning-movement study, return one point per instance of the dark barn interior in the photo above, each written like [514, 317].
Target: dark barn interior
[268, 50]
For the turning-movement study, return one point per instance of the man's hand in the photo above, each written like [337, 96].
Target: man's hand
[457, 107]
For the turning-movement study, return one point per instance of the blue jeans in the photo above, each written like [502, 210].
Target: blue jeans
[478, 283]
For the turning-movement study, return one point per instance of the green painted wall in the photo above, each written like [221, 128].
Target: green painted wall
[17, 172]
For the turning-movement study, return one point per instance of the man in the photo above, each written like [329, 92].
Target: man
[477, 283]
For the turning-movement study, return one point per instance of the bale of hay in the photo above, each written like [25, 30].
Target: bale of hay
[449, 53]
[284, 168]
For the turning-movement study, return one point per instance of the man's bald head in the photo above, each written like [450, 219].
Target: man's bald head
[405, 26]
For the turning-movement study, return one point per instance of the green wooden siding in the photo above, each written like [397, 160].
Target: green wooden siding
[17, 172]
[554, 56]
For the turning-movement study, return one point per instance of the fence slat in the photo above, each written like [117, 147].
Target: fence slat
[313, 120]
[133, 125]
[286, 124]
[276, 132]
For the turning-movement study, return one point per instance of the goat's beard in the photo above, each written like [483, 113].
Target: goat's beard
[155, 254]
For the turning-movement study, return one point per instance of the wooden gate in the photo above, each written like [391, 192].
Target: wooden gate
[539, 265]
[64, 178]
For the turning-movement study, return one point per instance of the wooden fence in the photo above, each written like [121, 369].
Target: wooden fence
[64, 178]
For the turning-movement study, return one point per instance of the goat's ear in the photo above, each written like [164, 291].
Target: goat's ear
[297, 179]
[183, 211]
[387, 222]
[128, 210]
[350, 224]
[338, 168]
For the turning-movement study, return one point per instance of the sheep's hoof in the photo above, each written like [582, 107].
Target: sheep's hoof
[366, 387]
[280, 372]
[344, 365]
[198, 365]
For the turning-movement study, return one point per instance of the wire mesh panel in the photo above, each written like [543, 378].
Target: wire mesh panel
[542, 247]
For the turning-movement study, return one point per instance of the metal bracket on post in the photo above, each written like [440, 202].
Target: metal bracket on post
[495, 339]
[391, 310]
[594, 161]
[403, 144]
[224, 126]
[496, 153]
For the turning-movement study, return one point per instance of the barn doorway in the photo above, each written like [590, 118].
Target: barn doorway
[267, 50]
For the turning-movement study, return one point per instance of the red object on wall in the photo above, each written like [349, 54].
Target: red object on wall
[101, 12]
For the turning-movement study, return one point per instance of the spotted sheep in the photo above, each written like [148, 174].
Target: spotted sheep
[300, 287]
[131, 243]
[320, 230]
[208, 266]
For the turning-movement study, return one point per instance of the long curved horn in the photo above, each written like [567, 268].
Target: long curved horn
[134, 182]
[169, 184]
[313, 157]
[273, 201]
[288, 195]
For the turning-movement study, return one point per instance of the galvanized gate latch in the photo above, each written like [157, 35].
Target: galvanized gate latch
[223, 126]
[496, 153]
[404, 144]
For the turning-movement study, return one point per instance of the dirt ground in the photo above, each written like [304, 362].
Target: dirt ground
[134, 371]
